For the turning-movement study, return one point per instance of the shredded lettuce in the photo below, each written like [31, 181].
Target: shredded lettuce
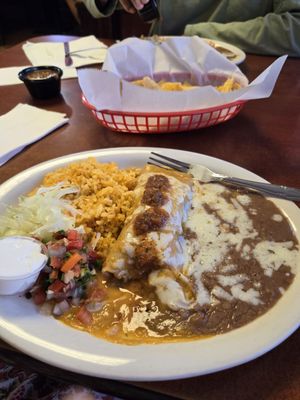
[40, 214]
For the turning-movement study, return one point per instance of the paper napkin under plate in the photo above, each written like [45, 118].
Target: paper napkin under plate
[23, 125]
[9, 75]
[53, 53]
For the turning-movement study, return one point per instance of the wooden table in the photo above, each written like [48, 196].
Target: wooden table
[264, 138]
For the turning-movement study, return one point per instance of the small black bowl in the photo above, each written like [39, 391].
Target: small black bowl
[149, 12]
[42, 82]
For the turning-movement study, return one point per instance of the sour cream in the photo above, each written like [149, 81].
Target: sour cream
[21, 261]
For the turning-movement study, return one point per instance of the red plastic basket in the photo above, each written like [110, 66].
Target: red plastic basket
[142, 122]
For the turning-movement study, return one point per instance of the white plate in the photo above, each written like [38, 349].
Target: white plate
[239, 54]
[54, 343]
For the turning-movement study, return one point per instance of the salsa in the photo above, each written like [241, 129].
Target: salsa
[69, 276]
[40, 74]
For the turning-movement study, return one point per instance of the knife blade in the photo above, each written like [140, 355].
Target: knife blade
[68, 58]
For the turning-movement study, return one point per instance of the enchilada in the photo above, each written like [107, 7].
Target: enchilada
[152, 237]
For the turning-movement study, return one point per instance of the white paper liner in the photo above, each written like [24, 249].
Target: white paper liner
[110, 89]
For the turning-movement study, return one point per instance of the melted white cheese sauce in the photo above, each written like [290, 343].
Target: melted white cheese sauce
[169, 291]
[211, 217]
[272, 256]
[277, 217]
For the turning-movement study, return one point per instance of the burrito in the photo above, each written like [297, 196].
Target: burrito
[152, 237]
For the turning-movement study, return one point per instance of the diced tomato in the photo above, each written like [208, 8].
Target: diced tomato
[73, 235]
[39, 296]
[57, 286]
[84, 316]
[75, 244]
[55, 262]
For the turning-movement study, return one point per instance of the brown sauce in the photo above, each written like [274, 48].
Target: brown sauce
[156, 191]
[154, 198]
[40, 74]
[157, 181]
[150, 220]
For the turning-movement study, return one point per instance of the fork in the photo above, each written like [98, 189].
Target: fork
[68, 53]
[68, 59]
[74, 52]
[205, 175]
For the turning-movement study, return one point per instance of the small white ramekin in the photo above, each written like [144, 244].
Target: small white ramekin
[21, 282]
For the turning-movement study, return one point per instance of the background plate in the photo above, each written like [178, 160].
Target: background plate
[239, 54]
[50, 341]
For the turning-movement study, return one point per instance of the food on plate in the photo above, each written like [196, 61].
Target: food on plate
[68, 275]
[156, 256]
[151, 237]
[105, 198]
[147, 82]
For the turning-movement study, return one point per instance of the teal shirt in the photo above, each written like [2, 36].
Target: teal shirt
[270, 27]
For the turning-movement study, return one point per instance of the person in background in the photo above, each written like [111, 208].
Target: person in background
[269, 27]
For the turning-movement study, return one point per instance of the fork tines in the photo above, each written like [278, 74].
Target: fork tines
[169, 162]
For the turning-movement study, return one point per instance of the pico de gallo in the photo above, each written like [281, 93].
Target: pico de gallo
[69, 276]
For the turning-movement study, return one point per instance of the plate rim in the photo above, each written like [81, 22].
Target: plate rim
[24, 341]
[240, 54]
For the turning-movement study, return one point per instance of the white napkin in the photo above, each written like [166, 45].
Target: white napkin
[53, 53]
[24, 125]
[9, 75]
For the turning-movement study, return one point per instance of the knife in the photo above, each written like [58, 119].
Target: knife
[68, 59]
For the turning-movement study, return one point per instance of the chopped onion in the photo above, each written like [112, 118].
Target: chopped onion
[71, 285]
[61, 308]
[50, 294]
[56, 250]
[68, 276]
[75, 301]
[95, 239]
[78, 292]
[94, 306]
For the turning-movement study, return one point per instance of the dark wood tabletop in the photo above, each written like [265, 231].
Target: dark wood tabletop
[264, 138]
